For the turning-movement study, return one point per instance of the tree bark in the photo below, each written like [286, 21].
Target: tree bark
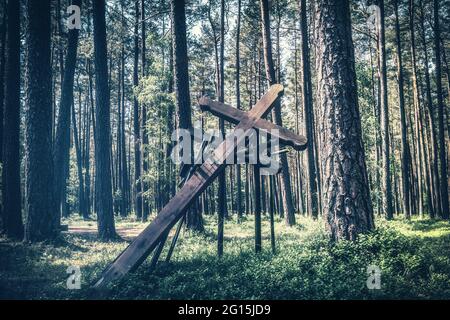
[238, 105]
[387, 192]
[417, 111]
[429, 102]
[144, 134]
[105, 216]
[181, 79]
[81, 201]
[62, 136]
[276, 113]
[308, 114]
[405, 159]
[441, 129]
[222, 195]
[136, 123]
[347, 203]
[11, 193]
[42, 216]
[2, 80]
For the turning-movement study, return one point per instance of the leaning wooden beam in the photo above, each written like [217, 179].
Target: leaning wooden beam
[148, 239]
[235, 116]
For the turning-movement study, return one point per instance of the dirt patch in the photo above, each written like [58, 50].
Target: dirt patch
[127, 233]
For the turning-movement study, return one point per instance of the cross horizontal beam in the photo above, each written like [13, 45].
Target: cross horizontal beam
[235, 116]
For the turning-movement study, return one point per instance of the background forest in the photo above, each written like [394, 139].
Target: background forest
[87, 118]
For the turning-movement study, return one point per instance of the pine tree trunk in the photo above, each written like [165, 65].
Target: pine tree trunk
[417, 112]
[104, 205]
[276, 114]
[441, 129]
[222, 195]
[62, 136]
[42, 215]
[308, 114]
[81, 201]
[182, 93]
[387, 192]
[405, 159]
[2, 80]
[11, 193]
[431, 123]
[136, 123]
[2, 88]
[238, 105]
[144, 134]
[347, 203]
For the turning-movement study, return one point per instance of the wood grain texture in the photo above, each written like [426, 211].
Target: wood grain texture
[235, 116]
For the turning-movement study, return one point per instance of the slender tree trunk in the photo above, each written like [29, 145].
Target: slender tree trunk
[441, 129]
[276, 114]
[11, 193]
[81, 201]
[238, 105]
[257, 179]
[136, 123]
[105, 215]
[347, 204]
[416, 102]
[87, 157]
[222, 204]
[144, 133]
[42, 216]
[62, 136]
[405, 159]
[308, 114]
[431, 122]
[387, 192]
[123, 166]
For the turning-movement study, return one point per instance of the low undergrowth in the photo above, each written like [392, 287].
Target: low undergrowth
[413, 257]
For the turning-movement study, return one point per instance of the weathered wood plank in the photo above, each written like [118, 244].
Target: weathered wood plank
[235, 116]
[149, 238]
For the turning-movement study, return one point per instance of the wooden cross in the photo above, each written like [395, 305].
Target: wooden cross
[150, 237]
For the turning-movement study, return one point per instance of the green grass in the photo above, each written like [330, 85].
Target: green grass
[414, 257]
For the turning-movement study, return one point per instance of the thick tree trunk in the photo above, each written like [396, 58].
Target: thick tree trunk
[42, 216]
[2, 79]
[11, 193]
[405, 159]
[347, 204]
[2, 86]
[276, 114]
[105, 215]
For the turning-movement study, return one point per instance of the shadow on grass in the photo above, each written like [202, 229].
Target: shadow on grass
[430, 225]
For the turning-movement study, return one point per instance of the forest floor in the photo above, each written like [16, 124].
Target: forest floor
[414, 258]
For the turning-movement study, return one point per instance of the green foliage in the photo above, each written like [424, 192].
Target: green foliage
[414, 258]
